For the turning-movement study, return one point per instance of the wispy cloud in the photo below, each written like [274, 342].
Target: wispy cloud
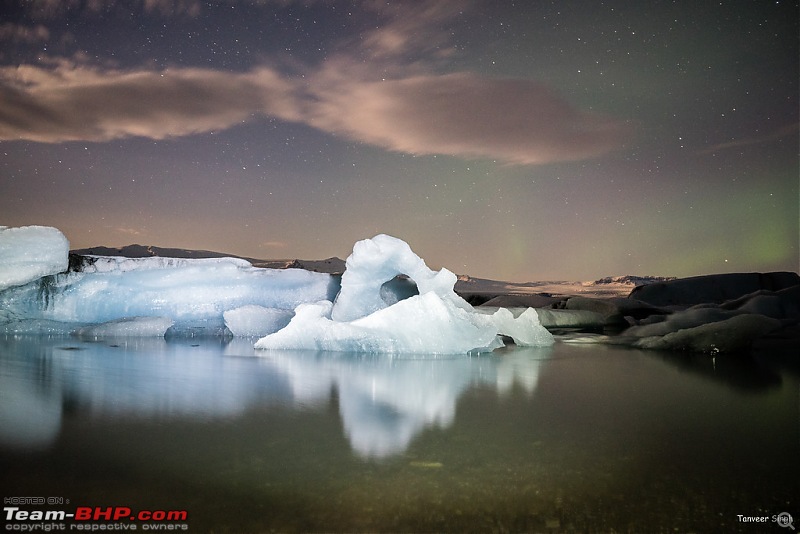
[274, 244]
[51, 9]
[784, 131]
[18, 33]
[410, 27]
[131, 231]
[74, 102]
[516, 121]
[462, 114]
[396, 99]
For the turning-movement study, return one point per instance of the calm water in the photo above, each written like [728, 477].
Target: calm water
[573, 438]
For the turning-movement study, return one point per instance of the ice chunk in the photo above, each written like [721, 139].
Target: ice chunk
[36, 327]
[28, 253]
[524, 329]
[373, 266]
[184, 290]
[421, 324]
[368, 317]
[256, 321]
[128, 327]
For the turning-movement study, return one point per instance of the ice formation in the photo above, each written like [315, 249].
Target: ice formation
[256, 321]
[29, 253]
[128, 327]
[388, 300]
[105, 289]
[368, 315]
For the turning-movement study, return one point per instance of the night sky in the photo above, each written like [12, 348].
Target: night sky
[521, 141]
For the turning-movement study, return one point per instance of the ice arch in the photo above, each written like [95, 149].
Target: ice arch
[436, 320]
[376, 262]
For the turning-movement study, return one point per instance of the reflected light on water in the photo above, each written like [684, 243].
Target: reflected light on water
[384, 400]
[574, 437]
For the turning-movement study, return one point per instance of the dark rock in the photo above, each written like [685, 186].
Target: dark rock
[736, 334]
[783, 304]
[715, 288]
[522, 301]
[614, 310]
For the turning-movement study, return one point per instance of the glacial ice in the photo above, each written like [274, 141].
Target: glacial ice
[28, 253]
[183, 290]
[256, 321]
[371, 268]
[369, 316]
[128, 327]
[388, 300]
[189, 292]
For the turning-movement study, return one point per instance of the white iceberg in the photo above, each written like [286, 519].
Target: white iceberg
[371, 315]
[28, 253]
[190, 292]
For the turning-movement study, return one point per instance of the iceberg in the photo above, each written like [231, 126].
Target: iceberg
[28, 253]
[256, 321]
[373, 311]
[38, 293]
[183, 290]
[387, 300]
[128, 327]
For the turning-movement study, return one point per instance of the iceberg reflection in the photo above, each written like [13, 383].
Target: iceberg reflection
[384, 401]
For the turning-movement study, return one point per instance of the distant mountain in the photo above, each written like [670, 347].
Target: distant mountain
[330, 265]
[147, 251]
[631, 280]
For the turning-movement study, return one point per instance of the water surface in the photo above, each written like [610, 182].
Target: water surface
[571, 438]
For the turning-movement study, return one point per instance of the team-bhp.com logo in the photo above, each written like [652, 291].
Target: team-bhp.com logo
[95, 518]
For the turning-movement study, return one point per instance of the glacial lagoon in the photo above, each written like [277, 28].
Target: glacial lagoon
[567, 438]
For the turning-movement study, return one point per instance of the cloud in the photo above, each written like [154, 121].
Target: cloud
[130, 231]
[52, 9]
[17, 33]
[410, 27]
[513, 120]
[784, 131]
[73, 102]
[382, 89]
[461, 114]
[274, 244]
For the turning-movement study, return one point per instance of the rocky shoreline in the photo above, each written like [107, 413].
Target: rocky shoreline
[713, 314]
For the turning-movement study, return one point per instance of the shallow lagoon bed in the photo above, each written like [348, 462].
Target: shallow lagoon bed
[566, 438]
